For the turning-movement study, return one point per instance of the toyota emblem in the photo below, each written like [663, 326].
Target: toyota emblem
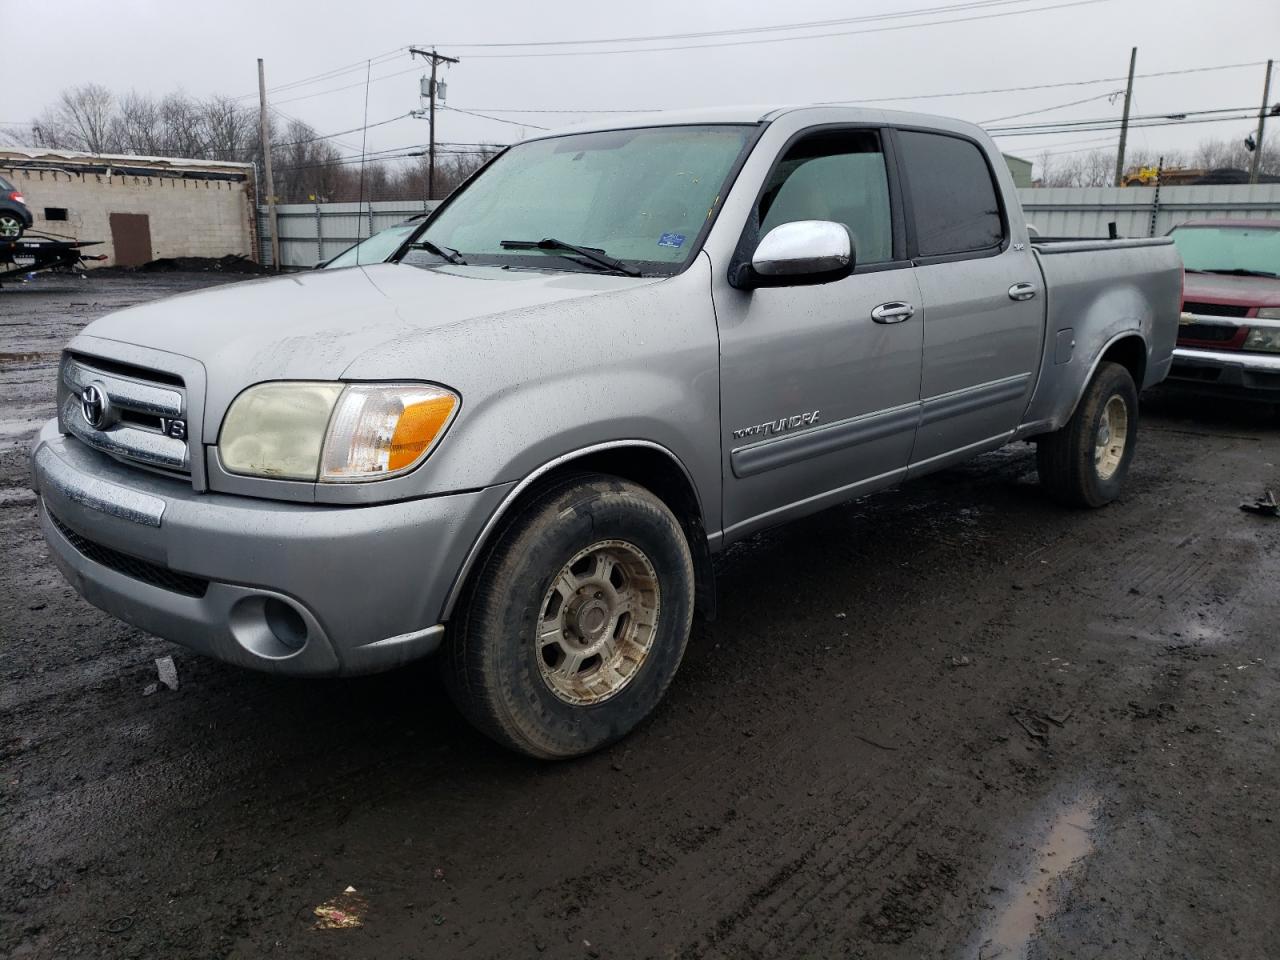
[93, 404]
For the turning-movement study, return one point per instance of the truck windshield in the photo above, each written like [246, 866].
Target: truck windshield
[640, 196]
[1250, 251]
[373, 249]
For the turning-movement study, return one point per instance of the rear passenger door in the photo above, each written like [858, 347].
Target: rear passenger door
[982, 298]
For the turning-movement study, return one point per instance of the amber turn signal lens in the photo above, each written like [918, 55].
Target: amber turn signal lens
[380, 430]
[419, 425]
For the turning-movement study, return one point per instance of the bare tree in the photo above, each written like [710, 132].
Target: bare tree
[231, 131]
[306, 164]
[80, 119]
[138, 127]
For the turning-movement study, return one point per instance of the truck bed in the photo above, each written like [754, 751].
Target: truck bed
[1098, 293]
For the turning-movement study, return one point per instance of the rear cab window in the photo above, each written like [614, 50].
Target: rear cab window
[953, 201]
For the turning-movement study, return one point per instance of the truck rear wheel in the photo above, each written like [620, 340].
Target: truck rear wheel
[1084, 464]
[576, 621]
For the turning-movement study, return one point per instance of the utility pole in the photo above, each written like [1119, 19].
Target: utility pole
[1256, 162]
[436, 59]
[264, 131]
[1124, 123]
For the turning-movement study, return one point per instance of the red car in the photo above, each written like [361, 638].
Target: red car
[1229, 337]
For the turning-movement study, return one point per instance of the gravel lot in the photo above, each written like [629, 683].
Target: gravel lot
[950, 721]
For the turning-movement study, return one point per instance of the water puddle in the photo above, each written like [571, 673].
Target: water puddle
[1033, 897]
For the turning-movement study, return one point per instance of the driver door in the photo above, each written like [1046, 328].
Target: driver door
[820, 384]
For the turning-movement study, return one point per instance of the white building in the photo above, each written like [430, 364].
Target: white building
[142, 208]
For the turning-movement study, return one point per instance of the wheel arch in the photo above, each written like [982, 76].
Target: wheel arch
[643, 462]
[1128, 349]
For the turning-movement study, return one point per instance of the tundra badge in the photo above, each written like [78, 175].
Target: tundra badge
[771, 427]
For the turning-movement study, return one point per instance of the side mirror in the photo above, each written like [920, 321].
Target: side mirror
[800, 252]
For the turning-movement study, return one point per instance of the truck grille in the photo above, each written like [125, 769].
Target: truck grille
[133, 567]
[131, 414]
[1206, 332]
[1214, 309]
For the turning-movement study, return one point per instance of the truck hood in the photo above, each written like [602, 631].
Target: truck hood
[312, 325]
[1238, 291]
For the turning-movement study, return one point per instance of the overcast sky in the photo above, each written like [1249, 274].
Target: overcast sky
[212, 48]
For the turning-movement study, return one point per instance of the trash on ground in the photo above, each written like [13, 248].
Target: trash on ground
[167, 671]
[342, 912]
[1265, 505]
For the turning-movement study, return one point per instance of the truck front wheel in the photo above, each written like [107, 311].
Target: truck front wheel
[1084, 464]
[576, 620]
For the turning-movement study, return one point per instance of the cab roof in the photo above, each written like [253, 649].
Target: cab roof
[757, 113]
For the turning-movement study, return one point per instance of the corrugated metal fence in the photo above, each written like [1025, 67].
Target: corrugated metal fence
[311, 232]
[1141, 211]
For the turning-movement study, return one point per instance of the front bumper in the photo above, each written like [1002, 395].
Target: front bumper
[1227, 371]
[289, 588]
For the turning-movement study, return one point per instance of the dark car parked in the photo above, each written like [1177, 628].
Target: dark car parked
[1229, 337]
[14, 215]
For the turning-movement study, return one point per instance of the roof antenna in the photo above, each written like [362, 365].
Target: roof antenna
[364, 138]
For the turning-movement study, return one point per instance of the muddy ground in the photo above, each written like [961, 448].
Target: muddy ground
[951, 721]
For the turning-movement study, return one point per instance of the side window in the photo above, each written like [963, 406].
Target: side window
[954, 204]
[840, 176]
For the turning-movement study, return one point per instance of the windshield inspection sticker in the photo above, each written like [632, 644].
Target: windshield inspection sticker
[671, 240]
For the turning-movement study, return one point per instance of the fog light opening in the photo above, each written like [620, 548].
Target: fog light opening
[285, 623]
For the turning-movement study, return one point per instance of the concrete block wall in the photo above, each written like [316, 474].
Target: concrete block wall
[188, 217]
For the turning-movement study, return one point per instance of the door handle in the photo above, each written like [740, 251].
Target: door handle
[895, 311]
[1022, 291]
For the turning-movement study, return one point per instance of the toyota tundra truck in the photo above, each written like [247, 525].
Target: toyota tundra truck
[611, 354]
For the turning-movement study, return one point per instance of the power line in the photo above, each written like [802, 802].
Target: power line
[914, 96]
[1116, 126]
[514, 123]
[811, 36]
[1176, 115]
[292, 119]
[1087, 145]
[330, 136]
[1060, 106]
[1050, 86]
[351, 86]
[577, 110]
[328, 74]
[739, 31]
[736, 31]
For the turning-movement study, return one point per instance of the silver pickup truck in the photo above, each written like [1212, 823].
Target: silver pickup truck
[611, 354]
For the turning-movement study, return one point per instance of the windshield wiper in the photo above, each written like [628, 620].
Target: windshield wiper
[592, 254]
[444, 253]
[1240, 272]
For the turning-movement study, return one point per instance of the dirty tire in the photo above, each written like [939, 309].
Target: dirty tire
[495, 668]
[1067, 458]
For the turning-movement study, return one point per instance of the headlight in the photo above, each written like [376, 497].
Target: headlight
[1263, 338]
[331, 432]
[1269, 313]
[380, 431]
